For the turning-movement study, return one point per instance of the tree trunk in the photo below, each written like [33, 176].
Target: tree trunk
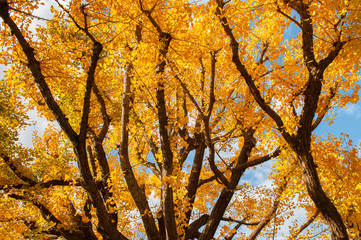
[319, 197]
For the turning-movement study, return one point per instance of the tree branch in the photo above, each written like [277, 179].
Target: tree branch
[289, 17]
[97, 49]
[185, 88]
[193, 228]
[212, 98]
[242, 222]
[48, 184]
[305, 225]
[266, 219]
[105, 183]
[259, 160]
[207, 180]
[103, 110]
[47, 215]
[227, 193]
[18, 173]
[245, 74]
[322, 114]
[34, 66]
[136, 191]
[167, 167]
[92, 162]
[195, 173]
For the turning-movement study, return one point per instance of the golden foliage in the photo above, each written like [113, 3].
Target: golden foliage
[222, 120]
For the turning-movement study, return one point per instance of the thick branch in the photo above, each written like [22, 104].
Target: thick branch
[105, 183]
[92, 162]
[324, 63]
[108, 225]
[100, 156]
[302, 145]
[167, 167]
[193, 228]
[195, 173]
[97, 49]
[307, 34]
[135, 190]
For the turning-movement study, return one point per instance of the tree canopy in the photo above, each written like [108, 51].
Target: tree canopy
[160, 112]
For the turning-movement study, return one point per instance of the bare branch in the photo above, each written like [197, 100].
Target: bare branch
[167, 167]
[97, 49]
[195, 173]
[242, 222]
[47, 214]
[85, 232]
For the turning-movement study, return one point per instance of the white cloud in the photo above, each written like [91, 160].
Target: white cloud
[353, 110]
[44, 10]
[25, 136]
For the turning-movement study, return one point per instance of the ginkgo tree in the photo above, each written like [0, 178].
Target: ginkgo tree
[157, 109]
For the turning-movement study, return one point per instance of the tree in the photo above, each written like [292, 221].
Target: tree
[190, 96]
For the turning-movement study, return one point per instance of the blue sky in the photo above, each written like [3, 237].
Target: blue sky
[347, 121]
